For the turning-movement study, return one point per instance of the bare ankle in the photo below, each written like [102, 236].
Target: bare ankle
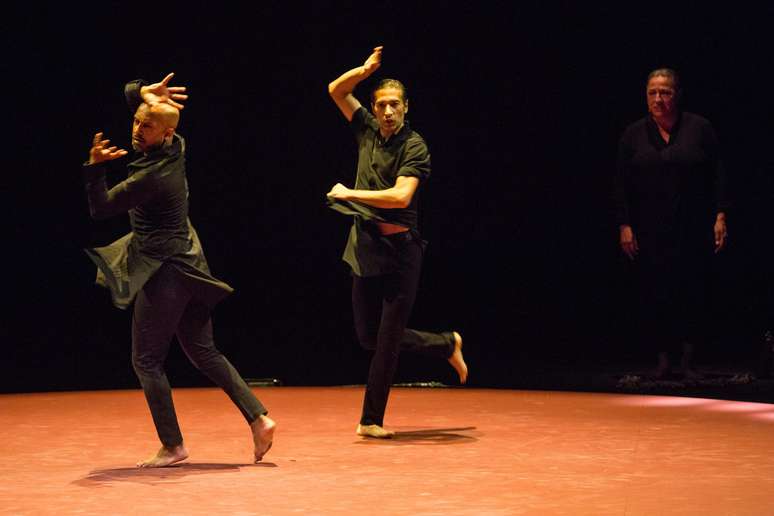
[263, 421]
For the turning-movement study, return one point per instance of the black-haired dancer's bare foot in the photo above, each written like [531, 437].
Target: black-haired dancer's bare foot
[374, 431]
[165, 457]
[263, 435]
[457, 361]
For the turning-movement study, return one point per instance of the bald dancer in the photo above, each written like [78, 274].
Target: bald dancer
[160, 267]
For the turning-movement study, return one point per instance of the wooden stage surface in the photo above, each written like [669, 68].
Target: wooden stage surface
[457, 451]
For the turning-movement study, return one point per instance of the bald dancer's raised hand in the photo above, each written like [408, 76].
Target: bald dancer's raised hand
[161, 93]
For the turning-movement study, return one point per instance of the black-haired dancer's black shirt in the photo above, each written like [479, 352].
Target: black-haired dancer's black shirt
[156, 196]
[379, 165]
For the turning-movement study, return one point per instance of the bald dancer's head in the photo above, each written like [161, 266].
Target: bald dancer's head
[153, 126]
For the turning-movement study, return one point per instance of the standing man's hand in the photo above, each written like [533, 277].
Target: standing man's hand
[721, 232]
[628, 241]
[101, 152]
[373, 62]
[160, 93]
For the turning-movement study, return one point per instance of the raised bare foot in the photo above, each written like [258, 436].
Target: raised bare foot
[374, 431]
[165, 457]
[457, 361]
[263, 435]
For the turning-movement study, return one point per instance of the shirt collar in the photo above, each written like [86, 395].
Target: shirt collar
[398, 137]
[656, 135]
[159, 154]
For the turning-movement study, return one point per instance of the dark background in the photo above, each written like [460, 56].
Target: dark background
[521, 106]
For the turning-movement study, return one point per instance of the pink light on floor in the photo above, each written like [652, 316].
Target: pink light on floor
[738, 406]
[764, 411]
[765, 416]
[664, 401]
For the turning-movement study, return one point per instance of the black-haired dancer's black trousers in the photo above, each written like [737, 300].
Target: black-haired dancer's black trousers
[382, 306]
[164, 308]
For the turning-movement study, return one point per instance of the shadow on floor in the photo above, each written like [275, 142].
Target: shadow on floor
[150, 476]
[426, 436]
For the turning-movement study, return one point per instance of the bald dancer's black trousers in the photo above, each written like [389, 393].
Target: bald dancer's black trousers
[164, 308]
[382, 306]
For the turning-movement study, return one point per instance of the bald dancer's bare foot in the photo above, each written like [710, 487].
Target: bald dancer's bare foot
[457, 361]
[165, 457]
[263, 435]
[374, 431]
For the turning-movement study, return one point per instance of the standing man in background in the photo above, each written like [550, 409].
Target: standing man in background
[671, 209]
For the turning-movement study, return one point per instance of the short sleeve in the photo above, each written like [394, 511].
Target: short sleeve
[362, 120]
[416, 159]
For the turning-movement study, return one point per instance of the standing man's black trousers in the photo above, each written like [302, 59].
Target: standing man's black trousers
[673, 294]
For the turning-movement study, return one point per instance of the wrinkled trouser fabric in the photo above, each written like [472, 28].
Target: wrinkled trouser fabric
[164, 308]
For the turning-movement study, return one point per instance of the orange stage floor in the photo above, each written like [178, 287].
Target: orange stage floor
[458, 451]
